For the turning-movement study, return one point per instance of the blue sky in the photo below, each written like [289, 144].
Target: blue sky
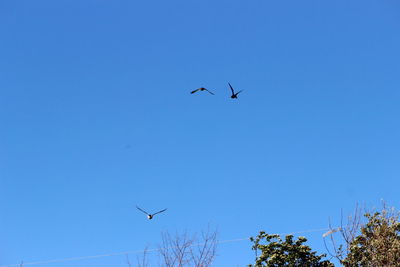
[96, 117]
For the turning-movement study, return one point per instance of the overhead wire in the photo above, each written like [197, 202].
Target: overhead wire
[145, 251]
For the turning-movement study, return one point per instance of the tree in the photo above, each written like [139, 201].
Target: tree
[375, 243]
[184, 250]
[275, 252]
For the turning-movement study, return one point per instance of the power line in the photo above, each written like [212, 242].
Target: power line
[142, 251]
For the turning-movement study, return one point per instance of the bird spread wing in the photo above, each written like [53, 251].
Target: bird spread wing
[159, 212]
[209, 91]
[239, 92]
[194, 91]
[331, 231]
[142, 210]
[233, 92]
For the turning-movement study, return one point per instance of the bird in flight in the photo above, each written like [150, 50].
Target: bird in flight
[201, 89]
[234, 95]
[150, 216]
[331, 231]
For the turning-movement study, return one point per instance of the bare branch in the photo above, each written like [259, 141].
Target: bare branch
[142, 261]
[185, 250]
[128, 262]
[205, 252]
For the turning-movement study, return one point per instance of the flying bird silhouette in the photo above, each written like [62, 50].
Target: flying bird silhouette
[150, 216]
[234, 95]
[201, 89]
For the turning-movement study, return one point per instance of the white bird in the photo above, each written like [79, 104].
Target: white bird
[150, 216]
[331, 231]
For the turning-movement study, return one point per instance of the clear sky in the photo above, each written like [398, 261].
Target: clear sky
[96, 116]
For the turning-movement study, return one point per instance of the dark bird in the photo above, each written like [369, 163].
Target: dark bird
[201, 89]
[234, 95]
[150, 216]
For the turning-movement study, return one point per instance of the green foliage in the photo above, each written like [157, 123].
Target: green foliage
[276, 253]
[379, 242]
